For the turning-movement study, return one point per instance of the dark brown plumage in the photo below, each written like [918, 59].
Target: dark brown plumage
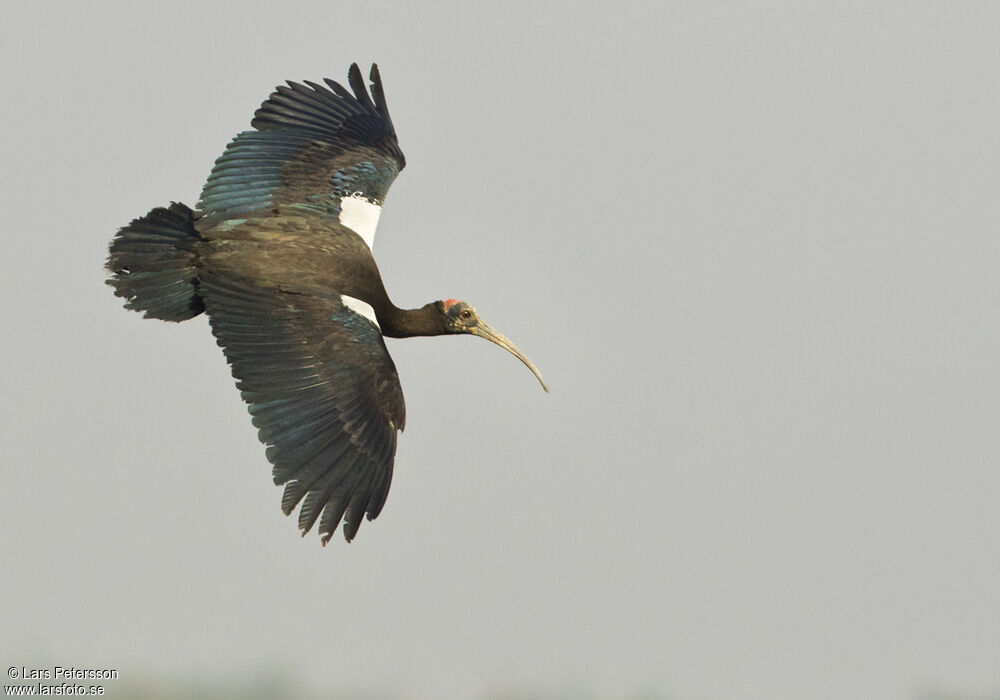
[278, 255]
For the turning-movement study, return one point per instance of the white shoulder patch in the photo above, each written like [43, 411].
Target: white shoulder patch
[358, 306]
[361, 216]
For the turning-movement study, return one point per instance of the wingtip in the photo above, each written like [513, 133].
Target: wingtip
[357, 83]
[354, 74]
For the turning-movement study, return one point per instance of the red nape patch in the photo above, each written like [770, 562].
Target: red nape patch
[448, 303]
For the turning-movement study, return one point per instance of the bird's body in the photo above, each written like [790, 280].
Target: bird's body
[293, 253]
[279, 255]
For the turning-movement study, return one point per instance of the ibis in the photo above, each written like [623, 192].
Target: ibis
[278, 254]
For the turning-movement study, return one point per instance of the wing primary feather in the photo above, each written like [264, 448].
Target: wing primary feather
[322, 94]
[273, 432]
[319, 116]
[307, 464]
[355, 512]
[358, 85]
[336, 504]
[380, 491]
[321, 97]
[326, 489]
[379, 94]
[305, 478]
[338, 88]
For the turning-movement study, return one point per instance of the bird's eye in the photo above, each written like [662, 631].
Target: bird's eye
[466, 314]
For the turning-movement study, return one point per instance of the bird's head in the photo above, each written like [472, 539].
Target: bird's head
[459, 317]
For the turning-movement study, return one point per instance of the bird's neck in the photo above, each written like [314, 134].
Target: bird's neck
[406, 323]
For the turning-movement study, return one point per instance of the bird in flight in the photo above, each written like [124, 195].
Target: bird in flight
[278, 254]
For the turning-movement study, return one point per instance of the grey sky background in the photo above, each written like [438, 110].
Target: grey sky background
[752, 247]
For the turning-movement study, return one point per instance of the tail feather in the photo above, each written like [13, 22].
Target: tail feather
[152, 264]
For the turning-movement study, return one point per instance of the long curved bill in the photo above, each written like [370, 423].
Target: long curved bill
[484, 330]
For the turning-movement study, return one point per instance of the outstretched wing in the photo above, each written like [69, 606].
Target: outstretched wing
[323, 393]
[317, 150]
